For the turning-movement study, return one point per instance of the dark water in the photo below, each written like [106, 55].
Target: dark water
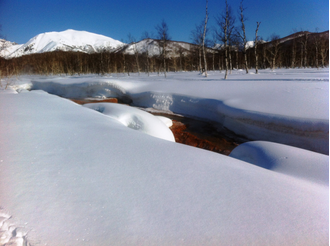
[202, 134]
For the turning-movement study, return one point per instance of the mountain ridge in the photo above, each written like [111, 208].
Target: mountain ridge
[68, 40]
[87, 42]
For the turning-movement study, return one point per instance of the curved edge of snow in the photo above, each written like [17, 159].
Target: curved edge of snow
[311, 134]
[285, 159]
[301, 131]
[134, 118]
[167, 121]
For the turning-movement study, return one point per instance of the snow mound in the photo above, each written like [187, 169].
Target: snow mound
[134, 118]
[285, 159]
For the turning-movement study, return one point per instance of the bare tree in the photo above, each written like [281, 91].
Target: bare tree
[324, 49]
[204, 34]
[132, 41]
[124, 59]
[146, 37]
[164, 38]
[273, 49]
[293, 53]
[242, 35]
[256, 41]
[316, 43]
[226, 25]
[303, 49]
[232, 43]
[197, 38]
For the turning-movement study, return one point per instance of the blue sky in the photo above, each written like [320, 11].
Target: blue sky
[23, 19]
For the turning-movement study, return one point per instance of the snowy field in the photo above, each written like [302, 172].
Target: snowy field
[105, 174]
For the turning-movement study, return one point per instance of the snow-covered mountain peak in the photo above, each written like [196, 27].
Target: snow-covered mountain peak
[68, 40]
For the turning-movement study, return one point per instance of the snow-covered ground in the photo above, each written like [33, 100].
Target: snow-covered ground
[289, 106]
[84, 175]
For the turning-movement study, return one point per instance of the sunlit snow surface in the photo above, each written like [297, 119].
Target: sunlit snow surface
[70, 175]
[288, 106]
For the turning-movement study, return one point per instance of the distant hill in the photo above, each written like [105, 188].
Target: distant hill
[174, 48]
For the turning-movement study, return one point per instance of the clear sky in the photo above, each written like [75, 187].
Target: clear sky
[24, 19]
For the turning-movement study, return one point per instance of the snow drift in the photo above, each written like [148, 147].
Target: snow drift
[135, 119]
[288, 160]
[72, 176]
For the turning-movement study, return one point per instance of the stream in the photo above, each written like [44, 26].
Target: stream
[190, 131]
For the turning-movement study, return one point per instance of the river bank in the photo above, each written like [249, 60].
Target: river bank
[189, 131]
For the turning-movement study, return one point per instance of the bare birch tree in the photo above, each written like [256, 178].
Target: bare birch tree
[164, 38]
[273, 49]
[146, 38]
[226, 24]
[303, 49]
[132, 42]
[256, 41]
[324, 49]
[242, 35]
[204, 34]
[197, 38]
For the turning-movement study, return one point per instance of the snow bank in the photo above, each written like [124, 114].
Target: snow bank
[135, 119]
[285, 159]
[285, 106]
[71, 176]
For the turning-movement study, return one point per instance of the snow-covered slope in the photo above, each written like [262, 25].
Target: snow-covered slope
[72, 176]
[7, 47]
[302, 164]
[69, 40]
[173, 49]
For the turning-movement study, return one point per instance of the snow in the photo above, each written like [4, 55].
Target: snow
[7, 47]
[70, 175]
[174, 48]
[285, 159]
[69, 40]
[135, 119]
[284, 106]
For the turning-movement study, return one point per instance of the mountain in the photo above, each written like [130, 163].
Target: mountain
[173, 49]
[7, 47]
[82, 41]
[69, 40]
